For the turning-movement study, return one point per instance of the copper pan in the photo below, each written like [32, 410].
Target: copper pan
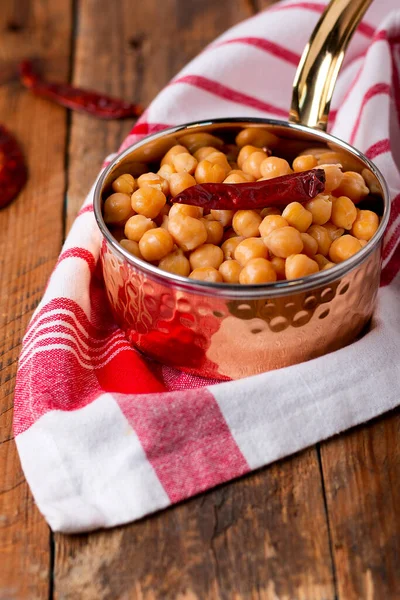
[230, 331]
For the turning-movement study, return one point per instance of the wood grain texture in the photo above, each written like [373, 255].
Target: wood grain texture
[261, 538]
[362, 474]
[131, 50]
[41, 29]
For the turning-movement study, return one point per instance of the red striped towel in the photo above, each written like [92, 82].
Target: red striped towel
[106, 437]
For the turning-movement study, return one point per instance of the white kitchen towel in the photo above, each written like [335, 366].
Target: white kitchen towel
[106, 437]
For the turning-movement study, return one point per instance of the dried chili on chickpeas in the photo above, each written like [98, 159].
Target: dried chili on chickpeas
[252, 246]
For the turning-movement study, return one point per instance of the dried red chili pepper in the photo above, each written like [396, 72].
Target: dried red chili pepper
[279, 191]
[75, 98]
[13, 171]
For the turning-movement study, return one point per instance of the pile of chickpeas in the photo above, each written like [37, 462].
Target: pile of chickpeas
[243, 246]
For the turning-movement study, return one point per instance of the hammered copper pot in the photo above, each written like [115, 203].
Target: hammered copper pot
[231, 331]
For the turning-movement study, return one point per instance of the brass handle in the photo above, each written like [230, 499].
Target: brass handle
[321, 61]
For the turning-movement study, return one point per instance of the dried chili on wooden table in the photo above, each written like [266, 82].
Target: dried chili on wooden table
[13, 171]
[279, 191]
[75, 98]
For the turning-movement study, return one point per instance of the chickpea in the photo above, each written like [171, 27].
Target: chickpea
[148, 201]
[273, 166]
[256, 136]
[230, 245]
[343, 248]
[321, 235]
[363, 243]
[310, 244]
[330, 158]
[371, 181]
[246, 223]
[136, 226]
[184, 162]
[365, 225]
[235, 178]
[230, 271]
[186, 209]
[271, 222]
[179, 182]
[304, 162]
[328, 265]
[246, 176]
[284, 241]
[153, 180]
[320, 208]
[333, 177]
[215, 231]
[164, 222]
[314, 151]
[223, 216]
[257, 270]
[206, 274]
[244, 154]
[207, 172]
[297, 216]
[188, 233]
[125, 184]
[166, 171]
[117, 209]
[278, 264]
[155, 244]
[175, 262]
[300, 265]
[167, 159]
[206, 255]
[321, 261]
[269, 210]
[194, 141]
[334, 232]
[249, 248]
[203, 152]
[344, 212]
[219, 158]
[353, 186]
[252, 164]
[132, 247]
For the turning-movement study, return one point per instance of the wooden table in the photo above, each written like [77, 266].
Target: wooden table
[321, 525]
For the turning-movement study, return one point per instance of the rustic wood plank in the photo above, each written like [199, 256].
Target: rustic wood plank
[41, 29]
[132, 53]
[361, 474]
[261, 538]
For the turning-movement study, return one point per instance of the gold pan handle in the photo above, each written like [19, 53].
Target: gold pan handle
[321, 61]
